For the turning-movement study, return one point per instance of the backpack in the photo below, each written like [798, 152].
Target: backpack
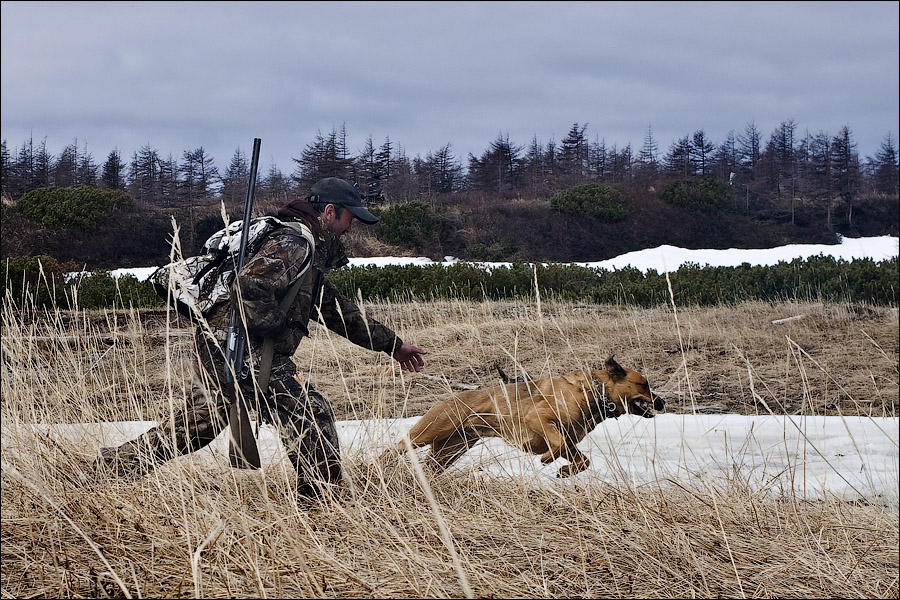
[196, 284]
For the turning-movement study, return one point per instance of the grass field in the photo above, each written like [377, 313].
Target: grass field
[196, 528]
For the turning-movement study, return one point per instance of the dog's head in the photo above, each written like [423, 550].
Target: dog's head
[628, 390]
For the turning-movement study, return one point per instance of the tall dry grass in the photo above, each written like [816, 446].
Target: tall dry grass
[196, 528]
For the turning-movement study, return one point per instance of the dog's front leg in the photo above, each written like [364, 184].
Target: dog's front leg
[542, 421]
[548, 457]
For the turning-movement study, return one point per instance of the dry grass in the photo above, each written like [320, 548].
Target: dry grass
[198, 528]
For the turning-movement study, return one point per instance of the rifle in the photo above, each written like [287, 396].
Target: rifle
[242, 450]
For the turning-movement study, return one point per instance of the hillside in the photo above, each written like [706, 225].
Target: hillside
[467, 226]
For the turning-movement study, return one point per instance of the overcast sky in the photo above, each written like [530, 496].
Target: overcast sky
[178, 76]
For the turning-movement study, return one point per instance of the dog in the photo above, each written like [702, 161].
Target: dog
[545, 416]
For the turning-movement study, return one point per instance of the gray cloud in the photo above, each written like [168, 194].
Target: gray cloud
[181, 75]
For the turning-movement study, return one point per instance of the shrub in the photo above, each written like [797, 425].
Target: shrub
[42, 282]
[35, 280]
[820, 277]
[99, 289]
[499, 251]
[80, 207]
[594, 200]
[703, 194]
[407, 224]
[431, 230]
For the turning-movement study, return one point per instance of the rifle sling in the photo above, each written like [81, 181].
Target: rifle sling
[268, 349]
[242, 449]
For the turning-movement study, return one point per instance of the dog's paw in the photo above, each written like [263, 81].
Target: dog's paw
[565, 471]
[389, 457]
[571, 469]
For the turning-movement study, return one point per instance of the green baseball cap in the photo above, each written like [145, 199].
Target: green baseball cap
[337, 191]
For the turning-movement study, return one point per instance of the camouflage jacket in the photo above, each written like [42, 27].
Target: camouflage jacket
[266, 278]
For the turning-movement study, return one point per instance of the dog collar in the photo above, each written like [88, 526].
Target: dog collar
[607, 406]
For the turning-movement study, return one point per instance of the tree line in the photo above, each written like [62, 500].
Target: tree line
[775, 171]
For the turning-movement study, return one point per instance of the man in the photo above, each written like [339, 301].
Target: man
[303, 417]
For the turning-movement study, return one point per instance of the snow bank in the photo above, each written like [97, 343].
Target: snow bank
[811, 457]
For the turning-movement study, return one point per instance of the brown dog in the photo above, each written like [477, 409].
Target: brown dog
[545, 416]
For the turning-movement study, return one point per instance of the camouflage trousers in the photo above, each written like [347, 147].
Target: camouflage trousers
[302, 416]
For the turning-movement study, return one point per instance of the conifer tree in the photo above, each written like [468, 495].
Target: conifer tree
[647, 167]
[236, 178]
[886, 169]
[112, 176]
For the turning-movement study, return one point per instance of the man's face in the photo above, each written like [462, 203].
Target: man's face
[338, 226]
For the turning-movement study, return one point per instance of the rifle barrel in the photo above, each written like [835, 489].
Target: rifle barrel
[234, 348]
[248, 205]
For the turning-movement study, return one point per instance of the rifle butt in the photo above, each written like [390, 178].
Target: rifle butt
[243, 452]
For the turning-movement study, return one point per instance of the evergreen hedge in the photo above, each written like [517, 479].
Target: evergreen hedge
[593, 199]
[81, 206]
[42, 281]
[818, 278]
[704, 194]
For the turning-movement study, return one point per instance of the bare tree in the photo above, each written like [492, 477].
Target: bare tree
[749, 148]
[65, 167]
[276, 186]
[845, 169]
[597, 158]
[326, 156]
[727, 158]
[439, 172]
[144, 175]
[196, 175]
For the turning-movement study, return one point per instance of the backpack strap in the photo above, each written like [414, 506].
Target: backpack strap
[268, 348]
[221, 254]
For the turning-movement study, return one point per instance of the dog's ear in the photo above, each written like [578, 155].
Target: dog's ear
[614, 369]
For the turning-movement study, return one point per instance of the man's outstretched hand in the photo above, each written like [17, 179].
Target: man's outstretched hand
[410, 357]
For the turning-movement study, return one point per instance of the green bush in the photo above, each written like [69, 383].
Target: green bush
[499, 251]
[99, 289]
[594, 200]
[80, 207]
[819, 278]
[703, 194]
[43, 282]
[407, 224]
[35, 280]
